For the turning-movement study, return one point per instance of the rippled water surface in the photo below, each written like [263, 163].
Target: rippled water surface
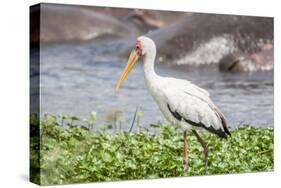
[80, 78]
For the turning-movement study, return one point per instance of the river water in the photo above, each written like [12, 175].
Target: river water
[78, 78]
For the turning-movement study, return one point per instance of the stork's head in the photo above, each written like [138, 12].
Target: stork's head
[143, 46]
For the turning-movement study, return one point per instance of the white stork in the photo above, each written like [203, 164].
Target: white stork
[180, 101]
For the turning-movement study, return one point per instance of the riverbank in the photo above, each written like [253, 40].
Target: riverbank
[73, 154]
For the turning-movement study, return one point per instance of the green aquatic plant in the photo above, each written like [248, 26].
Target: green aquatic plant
[72, 153]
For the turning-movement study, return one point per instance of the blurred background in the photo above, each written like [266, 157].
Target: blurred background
[84, 49]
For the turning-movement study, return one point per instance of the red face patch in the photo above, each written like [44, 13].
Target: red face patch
[138, 48]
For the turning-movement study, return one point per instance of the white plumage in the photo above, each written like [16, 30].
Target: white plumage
[180, 101]
[189, 101]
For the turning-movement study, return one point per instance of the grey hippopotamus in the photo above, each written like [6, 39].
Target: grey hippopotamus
[241, 62]
[207, 38]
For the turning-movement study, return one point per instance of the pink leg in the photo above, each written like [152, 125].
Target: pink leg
[205, 147]
[185, 152]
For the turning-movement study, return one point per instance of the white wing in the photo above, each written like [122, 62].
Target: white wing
[190, 104]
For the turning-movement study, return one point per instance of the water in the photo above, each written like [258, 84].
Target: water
[79, 78]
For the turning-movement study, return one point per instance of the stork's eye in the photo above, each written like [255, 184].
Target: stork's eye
[138, 48]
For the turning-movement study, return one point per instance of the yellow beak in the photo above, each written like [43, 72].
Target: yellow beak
[131, 63]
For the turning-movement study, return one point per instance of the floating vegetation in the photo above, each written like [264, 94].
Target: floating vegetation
[70, 152]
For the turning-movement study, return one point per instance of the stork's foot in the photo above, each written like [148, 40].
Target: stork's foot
[185, 164]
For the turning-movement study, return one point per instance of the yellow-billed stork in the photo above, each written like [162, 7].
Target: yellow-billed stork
[180, 101]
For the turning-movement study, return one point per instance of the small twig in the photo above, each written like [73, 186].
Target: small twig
[134, 119]
[262, 152]
[115, 121]
[62, 118]
[120, 125]
[131, 128]
[122, 144]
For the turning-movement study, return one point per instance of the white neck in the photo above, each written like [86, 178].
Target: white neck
[148, 65]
